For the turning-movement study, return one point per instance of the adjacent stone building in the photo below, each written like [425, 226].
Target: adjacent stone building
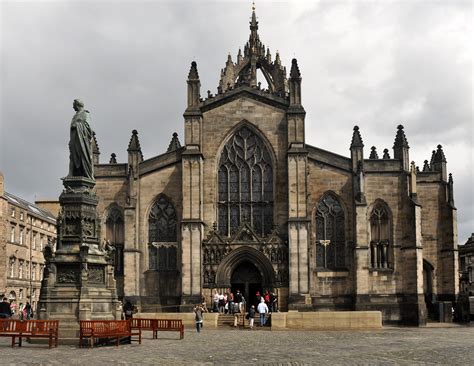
[25, 229]
[466, 264]
[248, 204]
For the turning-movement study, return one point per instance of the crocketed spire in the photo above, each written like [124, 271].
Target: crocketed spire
[356, 138]
[95, 145]
[400, 138]
[439, 155]
[432, 161]
[373, 153]
[174, 144]
[295, 71]
[193, 72]
[134, 144]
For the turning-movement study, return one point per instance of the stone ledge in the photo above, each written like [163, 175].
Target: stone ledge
[327, 320]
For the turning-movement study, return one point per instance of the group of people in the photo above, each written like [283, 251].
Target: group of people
[8, 310]
[227, 302]
[235, 304]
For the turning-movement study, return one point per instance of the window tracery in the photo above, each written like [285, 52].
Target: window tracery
[245, 183]
[115, 235]
[380, 237]
[330, 233]
[162, 236]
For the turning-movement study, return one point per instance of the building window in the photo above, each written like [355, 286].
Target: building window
[380, 237]
[12, 234]
[34, 241]
[115, 235]
[20, 294]
[330, 233]
[33, 272]
[41, 242]
[21, 215]
[41, 269]
[13, 212]
[162, 228]
[12, 267]
[22, 234]
[245, 184]
[20, 269]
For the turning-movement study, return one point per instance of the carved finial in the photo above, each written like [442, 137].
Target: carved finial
[174, 144]
[214, 226]
[426, 166]
[373, 153]
[253, 5]
[386, 155]
[356, 138]
[439, 155]
[432, 161]
[413, 167]
[295, 71]
[400, 138]
[193, 72]
[134, 144]
[113, 159]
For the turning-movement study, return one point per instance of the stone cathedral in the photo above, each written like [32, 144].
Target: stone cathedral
[248, 204]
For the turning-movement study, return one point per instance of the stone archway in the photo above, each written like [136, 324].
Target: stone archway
[245, 254]
[247, 279]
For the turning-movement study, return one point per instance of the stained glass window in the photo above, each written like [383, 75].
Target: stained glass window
[245, 184]
[330, 233]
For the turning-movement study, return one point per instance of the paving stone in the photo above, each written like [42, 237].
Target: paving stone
[389, 346]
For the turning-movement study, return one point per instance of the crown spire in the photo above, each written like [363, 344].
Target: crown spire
[174, 144]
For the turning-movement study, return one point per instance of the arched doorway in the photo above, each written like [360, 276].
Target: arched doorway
[248, 280]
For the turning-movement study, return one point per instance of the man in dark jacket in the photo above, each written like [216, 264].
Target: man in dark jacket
[5, 310]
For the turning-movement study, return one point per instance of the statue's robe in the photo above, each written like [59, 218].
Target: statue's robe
[80, 146]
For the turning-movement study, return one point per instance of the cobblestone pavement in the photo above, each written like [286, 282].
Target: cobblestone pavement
[400, 346]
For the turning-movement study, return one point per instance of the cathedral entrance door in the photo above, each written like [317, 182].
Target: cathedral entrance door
[248, 280]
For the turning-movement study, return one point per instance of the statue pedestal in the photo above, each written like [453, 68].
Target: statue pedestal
[78, 281]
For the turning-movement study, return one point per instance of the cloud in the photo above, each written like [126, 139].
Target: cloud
[375, 64]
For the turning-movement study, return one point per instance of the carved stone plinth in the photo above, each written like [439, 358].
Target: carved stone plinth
[78, 282]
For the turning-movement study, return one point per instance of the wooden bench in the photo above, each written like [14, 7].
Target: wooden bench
[97, 329]
[170, 325]
[156, 325]
[30, 329]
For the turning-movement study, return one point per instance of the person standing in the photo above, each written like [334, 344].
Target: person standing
[28, 311]
[5, 310]
[128, 310]
[251, 316]
[238, 300]
[198, 317]
[263, 310]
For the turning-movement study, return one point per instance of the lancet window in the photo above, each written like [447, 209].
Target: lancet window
[330, 234]
[115, 235]
[380, 237]
[245, 184]
[162, 235]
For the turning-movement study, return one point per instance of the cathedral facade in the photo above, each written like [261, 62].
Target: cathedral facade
[246, 203]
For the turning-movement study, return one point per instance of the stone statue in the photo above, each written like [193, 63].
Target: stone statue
[80, 143]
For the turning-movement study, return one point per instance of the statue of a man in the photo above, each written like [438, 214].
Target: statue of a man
[80, 143]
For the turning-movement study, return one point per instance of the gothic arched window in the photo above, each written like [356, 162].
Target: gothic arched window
[114, 233]
[379, 236]
[245, 183]
[330, 233]
[162, 222]
[162, 235]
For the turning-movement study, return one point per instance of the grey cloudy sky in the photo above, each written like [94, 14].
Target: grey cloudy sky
[375, 64]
